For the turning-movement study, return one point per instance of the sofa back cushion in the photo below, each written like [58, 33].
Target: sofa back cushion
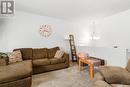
[26, 53]
[40, 53]
[52, 52]
[128, 65]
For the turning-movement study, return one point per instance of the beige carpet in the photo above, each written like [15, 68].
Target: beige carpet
[70, 77]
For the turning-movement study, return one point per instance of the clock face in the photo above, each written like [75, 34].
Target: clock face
[45, 30]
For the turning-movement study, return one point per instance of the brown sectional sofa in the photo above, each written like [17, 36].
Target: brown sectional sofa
[36, 60]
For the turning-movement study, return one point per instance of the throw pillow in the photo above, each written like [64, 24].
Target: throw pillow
[15, 56]
[3, 62]
[115, 75]
[59, 54]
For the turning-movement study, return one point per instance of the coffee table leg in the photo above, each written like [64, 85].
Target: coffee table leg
[79, 65]
[91, 71]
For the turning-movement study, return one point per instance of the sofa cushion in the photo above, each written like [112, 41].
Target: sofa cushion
[26, 53]
[15, 71]
[40, 62]
[128, 65]
[115, 75]
[40, 53]
[57, 60]
[52, 52]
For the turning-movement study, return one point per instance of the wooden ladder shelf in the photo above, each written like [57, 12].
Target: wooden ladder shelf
[73, 48]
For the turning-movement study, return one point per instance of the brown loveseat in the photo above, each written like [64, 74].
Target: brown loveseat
[35, 61]
[112, 76]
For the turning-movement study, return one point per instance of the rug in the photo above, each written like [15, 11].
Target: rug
[69, 77]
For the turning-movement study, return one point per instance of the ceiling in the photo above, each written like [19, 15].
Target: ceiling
[71, 9]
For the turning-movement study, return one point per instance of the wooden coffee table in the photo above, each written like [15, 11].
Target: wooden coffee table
[91, 62]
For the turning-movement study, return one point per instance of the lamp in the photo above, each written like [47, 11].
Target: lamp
[93, 34]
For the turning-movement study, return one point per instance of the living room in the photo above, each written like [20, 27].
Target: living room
[100, 29]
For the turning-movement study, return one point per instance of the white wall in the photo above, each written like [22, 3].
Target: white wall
[2, 34]
[23, 31]
[114, 30]
[83, 31]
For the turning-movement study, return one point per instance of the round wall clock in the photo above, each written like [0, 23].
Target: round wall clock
[45, 30]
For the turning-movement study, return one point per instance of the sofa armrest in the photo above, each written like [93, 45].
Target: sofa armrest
[115, 75]
[66, 56]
